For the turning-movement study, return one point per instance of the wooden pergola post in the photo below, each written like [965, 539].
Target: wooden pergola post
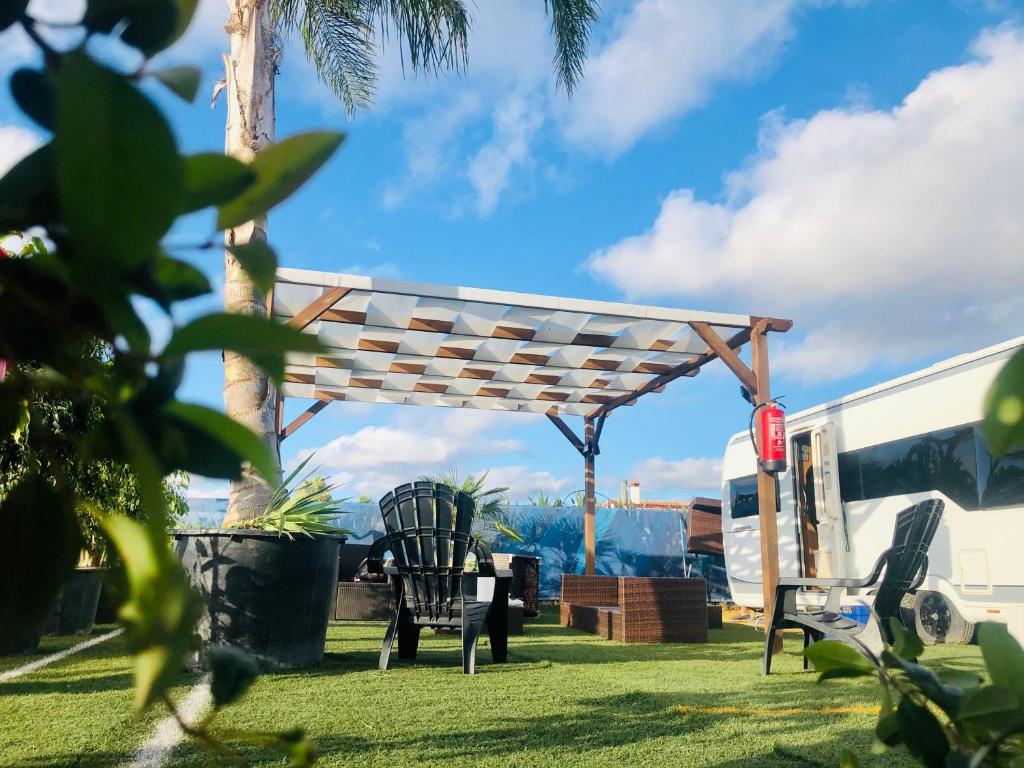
[767, 485]
[758, 384]
[589, 502]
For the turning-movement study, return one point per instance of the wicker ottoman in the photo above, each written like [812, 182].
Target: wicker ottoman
[363, 601]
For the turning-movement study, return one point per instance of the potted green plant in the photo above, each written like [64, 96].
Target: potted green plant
[267, 585]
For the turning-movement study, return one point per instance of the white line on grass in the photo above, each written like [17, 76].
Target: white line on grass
[48, 660]
[168, 733]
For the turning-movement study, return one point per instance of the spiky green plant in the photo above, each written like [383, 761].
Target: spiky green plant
[487, 502]
[306, 508]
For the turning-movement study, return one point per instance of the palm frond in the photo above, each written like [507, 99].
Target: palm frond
[571, 22]
[488, 503]
[300, 509]
[339, 38]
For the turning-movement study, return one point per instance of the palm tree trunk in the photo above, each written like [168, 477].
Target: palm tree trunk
[249, 396]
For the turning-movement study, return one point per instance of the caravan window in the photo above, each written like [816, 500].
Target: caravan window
[952, 461]
[1004, 485]
[743, 496]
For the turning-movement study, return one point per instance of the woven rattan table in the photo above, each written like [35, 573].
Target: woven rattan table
[636, 609]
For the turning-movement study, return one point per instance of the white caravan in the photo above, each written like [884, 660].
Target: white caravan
[857, 461]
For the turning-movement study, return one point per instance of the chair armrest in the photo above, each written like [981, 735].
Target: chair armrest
[795, 582]
[921, 576]
[800, 581]
[484, 559]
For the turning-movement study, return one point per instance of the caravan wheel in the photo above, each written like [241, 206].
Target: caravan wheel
[938, 622]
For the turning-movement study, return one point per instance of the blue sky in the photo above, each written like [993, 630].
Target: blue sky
[855, 166]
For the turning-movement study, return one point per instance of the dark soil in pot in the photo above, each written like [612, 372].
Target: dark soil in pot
[265, 594]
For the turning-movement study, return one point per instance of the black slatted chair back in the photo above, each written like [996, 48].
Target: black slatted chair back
[915, 529]
[429, 534]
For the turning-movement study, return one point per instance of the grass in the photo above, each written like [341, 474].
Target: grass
[565, 699]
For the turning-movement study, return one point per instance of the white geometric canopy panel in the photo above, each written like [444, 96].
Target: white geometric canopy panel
[392, 341]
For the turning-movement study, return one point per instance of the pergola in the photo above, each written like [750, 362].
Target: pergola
[390, 341]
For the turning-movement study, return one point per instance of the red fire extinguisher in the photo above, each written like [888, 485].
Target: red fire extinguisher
[771, 449]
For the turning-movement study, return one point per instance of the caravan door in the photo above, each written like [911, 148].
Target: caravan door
[820, 520]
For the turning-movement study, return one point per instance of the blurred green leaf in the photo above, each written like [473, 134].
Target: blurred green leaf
[245, 443]
[1003, 655]
[1004, 407]
[213, 179]
[259, 262]
[119, 177]
[959, 678]
[182, 81]
[28, 192]
[991, 707]
[833, 658]
[175, 280]
[280, 170]
[41, 544]
[922, 734]
[231, 673]
[301, 751]
[906, 644]
[887, 729]
[262, 341]
[10, 12]
[946, 696]
[32, 90]
[150, 25]
[160, 611]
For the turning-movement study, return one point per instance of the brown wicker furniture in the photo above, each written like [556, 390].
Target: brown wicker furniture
[636, 609]
[714, 617]
[704, 527]
[363, 601]
[525, 580]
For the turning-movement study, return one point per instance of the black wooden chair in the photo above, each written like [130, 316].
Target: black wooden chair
[905, 564]
[429, 535]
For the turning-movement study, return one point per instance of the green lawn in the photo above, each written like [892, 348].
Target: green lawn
[565, 699]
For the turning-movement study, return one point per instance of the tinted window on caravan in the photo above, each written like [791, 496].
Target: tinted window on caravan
[953, 461]
[743, 496]
[1004, 484]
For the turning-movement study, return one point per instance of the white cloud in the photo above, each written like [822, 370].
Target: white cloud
[662, 60]
[523, 482]
[374, 459]
[657, 473]
[515, 123]
[200, 487]
[888, 236]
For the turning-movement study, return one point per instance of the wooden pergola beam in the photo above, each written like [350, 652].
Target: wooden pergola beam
[317, 307]
[566, 430]
[726, 354]
[302, 418]
[689, 368]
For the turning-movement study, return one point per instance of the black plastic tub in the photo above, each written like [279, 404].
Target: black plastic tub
[76, 606]
[265, 594]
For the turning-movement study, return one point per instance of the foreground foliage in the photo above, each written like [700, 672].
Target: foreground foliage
[954, 719]
[101, 194]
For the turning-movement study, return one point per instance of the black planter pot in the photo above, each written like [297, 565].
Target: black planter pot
[76, 606]
[23, 646]
[265, 594]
